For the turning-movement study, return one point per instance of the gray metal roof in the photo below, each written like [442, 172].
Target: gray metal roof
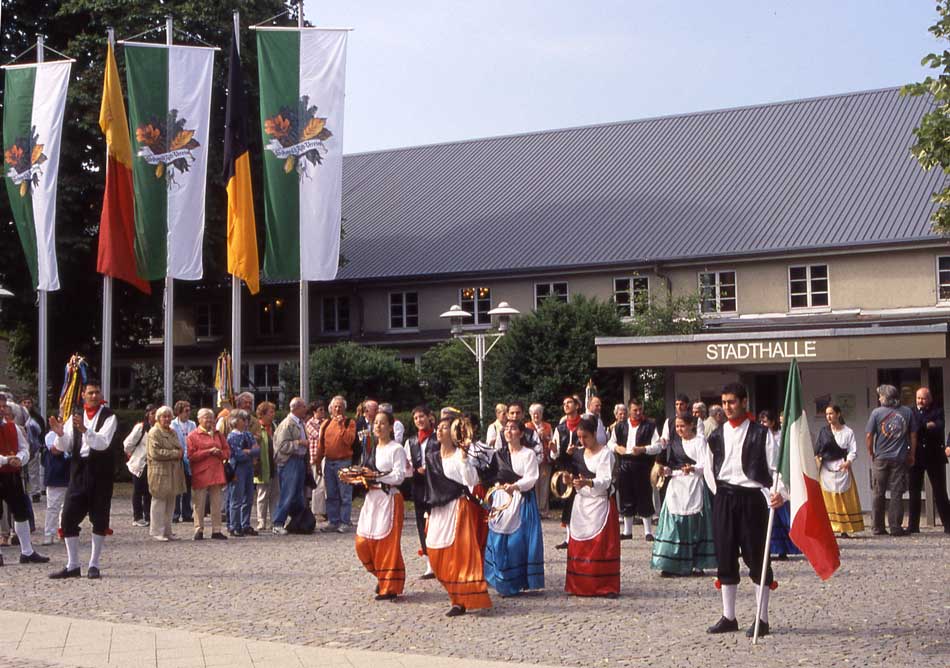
[806, 174]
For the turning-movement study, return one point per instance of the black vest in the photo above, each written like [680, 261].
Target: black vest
[440, 489]
[827, 448]
[565, 437]
[417, 452]
[644, 438]
[755, 462]
[100, 464]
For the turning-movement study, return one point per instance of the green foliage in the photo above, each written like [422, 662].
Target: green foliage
[358, 372]
[932, 148]
[148, 386]
[449, 376]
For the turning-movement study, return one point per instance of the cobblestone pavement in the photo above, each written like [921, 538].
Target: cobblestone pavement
[889, 603]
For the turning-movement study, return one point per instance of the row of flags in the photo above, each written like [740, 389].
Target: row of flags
[153, 210]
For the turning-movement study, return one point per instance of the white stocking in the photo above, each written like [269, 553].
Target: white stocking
[729, 601]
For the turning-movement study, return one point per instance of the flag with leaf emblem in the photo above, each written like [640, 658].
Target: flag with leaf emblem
[169, 113]
[33, 106]
[302, 80]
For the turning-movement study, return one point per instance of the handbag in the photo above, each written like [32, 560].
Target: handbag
[228, 470]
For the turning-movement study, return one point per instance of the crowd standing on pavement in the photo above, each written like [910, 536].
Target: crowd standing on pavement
[700, 483]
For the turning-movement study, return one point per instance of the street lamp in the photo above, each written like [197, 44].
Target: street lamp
[480, 343]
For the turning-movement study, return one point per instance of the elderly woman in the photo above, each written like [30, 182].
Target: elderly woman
[496, 427]
[166, 477]
[265, 470]
[244, 451]
[207, 452]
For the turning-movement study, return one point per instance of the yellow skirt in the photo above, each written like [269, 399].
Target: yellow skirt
[844, 509]
[383, 558]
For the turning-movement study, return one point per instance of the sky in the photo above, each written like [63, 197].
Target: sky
[430, 71]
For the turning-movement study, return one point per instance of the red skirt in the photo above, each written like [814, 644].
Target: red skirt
[593, 565]
[383, 557]
[459, 566]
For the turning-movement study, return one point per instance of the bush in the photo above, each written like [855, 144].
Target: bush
[357, 372]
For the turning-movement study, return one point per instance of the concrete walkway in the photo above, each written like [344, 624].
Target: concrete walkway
[42, 641]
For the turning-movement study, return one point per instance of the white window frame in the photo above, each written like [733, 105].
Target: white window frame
[336, 315]
[474, 322]
[631, 306]
[718, 298]
[941, 300]
[405, 316]
[809, 293]
[550, 285]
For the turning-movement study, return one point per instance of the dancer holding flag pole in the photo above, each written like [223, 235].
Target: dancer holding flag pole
[810, 527]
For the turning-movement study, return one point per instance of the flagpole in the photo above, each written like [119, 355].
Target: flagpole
[304, 301]
[106, 366]
[765, 558]
[42, 334]
[168, 334]
[236, 317]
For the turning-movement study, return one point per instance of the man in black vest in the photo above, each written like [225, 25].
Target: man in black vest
[86, 437]
[636, 443]
[566, 441]
[417, 446]
[930, 460]
[741, 480]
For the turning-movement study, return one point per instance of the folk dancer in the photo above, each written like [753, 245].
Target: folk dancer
[684, 535]
[416, 449]
[740, 481]
[635, 442]
[452, 534]
[86, 438]
[514, 555]
[566, 442]
[781, 543]
[836, 449]
[14, 456]
[379, 529]
[593, 551]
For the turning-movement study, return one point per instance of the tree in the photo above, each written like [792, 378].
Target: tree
[78, 28]
[449, 376]
[932, 148]
[148, 386]
[358, 372]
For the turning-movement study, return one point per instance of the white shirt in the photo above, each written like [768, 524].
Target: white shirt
[601, 430]
[531, 436]
[91, 439]
[665, 436]
[22, 448]
[461, 470]
[731, 471]
[655, 447]
[399, 431]
[391, 460]
[525, 464]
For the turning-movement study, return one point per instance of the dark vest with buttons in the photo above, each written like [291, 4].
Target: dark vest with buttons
[644, 438]
[100, 464]
[755, 463]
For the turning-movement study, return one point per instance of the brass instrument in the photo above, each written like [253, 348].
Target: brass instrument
[562, 484]
[495, 511]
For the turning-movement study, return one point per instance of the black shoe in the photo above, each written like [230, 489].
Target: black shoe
[878, 532]
[93, 573]
[217, 535]
[199, 535]
[33, 558]
[844, 534]
[66, 573]
[427, 576]
[237, 533]
[781, 557]
[1, 560]
[36, 498]
[724, 626]
[912, 529]
[561, 546]
[667, 574]
[176, 520]
[456, 611]
[626, 536]
[763, 629]
[898, 533]
[385, 597]
[248, 531]
[330, 528]
[612, 595]
[649, 538]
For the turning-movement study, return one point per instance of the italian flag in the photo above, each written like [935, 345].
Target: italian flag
[302, 81]
[169, 110]
[810, 526]
[33, 107]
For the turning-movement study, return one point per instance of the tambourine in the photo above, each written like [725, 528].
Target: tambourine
[493, 510]
[657, 479]
[562, 484]
[356, 475]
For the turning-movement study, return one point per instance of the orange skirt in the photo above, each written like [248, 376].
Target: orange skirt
[459, 566]
[383, 557]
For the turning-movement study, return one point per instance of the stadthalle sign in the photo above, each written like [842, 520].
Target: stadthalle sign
[761, 350]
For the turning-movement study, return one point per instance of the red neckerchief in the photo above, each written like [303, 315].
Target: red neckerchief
[634, 423]
[737, 422]
[572, 422]
[424, 434]
[91, 412]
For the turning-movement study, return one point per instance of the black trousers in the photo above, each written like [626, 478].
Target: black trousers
[141, 497]
[635, 491]
[87, 494]
[740, 518]
[183, 503]
[936, 468]
[12, 493]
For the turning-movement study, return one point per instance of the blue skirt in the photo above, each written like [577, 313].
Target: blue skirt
[515, 562]
[781, 542]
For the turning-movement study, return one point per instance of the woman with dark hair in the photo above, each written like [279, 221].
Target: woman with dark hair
[379, 529]
[452, 534]
[836, 449]
[514, 555]
[136, 451]
[781, 544]
[593, 550]
[684, 541]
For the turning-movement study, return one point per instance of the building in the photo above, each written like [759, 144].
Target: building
[804, 225]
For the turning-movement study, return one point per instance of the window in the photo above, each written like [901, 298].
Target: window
[943, 278]
[336, 314]
[403, 310]
[632, 295]
[717, 291]
[207, 321]
[270, 320]
[265, 382]
[476, 301]
[542, 291]
[808, 286]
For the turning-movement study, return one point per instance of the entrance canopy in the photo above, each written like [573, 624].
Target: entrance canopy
[845, 344]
